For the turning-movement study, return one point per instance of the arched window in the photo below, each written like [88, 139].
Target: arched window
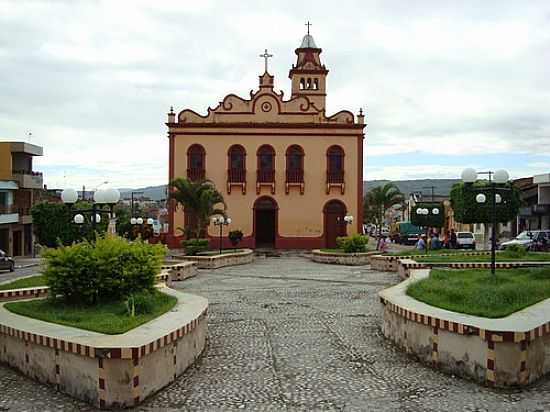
[196, 162]
[335, 164]
[309, 83]
[294, 164]
[302, 84]
[316, 84]
[237, 164]
[266, 164]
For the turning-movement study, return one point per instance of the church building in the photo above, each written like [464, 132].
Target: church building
[289, 172]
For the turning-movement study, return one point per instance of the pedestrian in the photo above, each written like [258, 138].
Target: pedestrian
[436, 243]
[421, 244]
[445, 242]
[383, 245]
[452, 241]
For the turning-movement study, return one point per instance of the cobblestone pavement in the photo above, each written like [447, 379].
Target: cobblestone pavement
[287, 334]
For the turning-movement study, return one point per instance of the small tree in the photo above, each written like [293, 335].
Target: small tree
[379, 199]
[200, 199]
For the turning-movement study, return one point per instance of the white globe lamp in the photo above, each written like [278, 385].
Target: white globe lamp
[99, 196]
[139, 220]
[228, 221]
[469, 175]
[501, 176]
[111, 196]
[133, 221]
[150, 221]
[97, 218]
[78, 219]
[435, 211]
[481, 198]
[69, 196]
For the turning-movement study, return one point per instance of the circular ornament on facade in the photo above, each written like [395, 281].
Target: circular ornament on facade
[266, 107]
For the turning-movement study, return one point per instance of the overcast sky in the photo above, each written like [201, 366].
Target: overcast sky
[445, 84]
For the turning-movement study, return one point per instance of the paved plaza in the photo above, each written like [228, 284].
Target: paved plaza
[287, 334]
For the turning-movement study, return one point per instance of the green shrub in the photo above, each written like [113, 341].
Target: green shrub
[515, 251]
[353, 244]
[235, 236]
[192, 247]
[107, 269]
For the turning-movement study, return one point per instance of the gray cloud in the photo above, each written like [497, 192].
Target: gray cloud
[93, 80]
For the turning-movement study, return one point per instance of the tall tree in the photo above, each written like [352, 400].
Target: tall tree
[200, 199]
[379, 199]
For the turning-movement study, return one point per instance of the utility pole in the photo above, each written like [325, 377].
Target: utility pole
[432, 188]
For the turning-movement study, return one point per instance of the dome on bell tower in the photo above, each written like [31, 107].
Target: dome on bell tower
[308, 42]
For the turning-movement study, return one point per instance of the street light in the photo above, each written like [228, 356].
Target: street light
[221, 222]
[102, 198]
[497, 177]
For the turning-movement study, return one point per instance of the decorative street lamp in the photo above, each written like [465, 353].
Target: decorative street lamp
[499, 177]
[138, 221]
[221, 222]
[348, 219]
[102, 198]
[423, 211]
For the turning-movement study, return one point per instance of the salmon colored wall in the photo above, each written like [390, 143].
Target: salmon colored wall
[299, 215]
[5, 161]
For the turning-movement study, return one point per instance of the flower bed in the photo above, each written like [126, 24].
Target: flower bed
[505, 352]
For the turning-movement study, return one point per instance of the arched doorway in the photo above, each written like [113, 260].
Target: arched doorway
[334, 224]
[265, 221]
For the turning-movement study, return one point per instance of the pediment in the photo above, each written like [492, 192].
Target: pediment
[265, 106]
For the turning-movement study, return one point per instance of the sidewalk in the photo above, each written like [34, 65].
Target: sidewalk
[26, 262]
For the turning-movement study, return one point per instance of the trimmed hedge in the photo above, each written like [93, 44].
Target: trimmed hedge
[192, 247]
[467, 210]
[107, 269]
[353, 244]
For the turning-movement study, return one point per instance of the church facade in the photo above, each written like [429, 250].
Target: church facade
[288, 172]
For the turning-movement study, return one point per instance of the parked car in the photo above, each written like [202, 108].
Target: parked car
[528, 239]
[465, 240]
[6, 262]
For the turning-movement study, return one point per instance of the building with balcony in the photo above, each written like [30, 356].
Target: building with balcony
[20, 186]
[289, 172]
[535, 195]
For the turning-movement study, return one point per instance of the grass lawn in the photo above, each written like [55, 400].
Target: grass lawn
[500, 257]
[415, 252]
[32, 281]
[108, 318]
[217, 252]
[477, 292]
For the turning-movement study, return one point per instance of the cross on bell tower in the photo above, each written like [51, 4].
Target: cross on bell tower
[266, 56]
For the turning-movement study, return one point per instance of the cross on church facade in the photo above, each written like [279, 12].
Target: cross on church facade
[308, 24]
[266, 56]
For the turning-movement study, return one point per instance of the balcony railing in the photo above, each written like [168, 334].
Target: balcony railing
[236, 175]
[195, 174]
[336, 176]
[541, 209]
[27, 178]
[265, 176]
[25, 172]
[295, 176]
[5, 210]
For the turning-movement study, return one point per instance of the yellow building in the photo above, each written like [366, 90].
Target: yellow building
[19, 185]
[288, 172]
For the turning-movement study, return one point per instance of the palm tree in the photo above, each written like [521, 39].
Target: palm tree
[379, 199]
[199, 199]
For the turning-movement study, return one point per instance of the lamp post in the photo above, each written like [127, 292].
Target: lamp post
[221, 222]
[101, 198]
[499, 177]
[139, 221]
[423, 211]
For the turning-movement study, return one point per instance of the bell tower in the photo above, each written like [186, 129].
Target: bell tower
[308, 75]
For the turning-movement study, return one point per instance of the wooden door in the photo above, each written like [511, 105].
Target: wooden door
[335, 225]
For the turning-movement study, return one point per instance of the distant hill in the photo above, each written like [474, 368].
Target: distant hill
[442, 187]
[152, 192]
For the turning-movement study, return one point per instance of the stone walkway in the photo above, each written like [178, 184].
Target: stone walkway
[287, 334]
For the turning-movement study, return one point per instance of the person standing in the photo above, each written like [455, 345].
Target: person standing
[452, 240]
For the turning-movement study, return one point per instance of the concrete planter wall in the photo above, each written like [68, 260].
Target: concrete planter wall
[349, 259]
[219, 261]
[506, 352]
[179, 271]
[387, 263]
[107, 370]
